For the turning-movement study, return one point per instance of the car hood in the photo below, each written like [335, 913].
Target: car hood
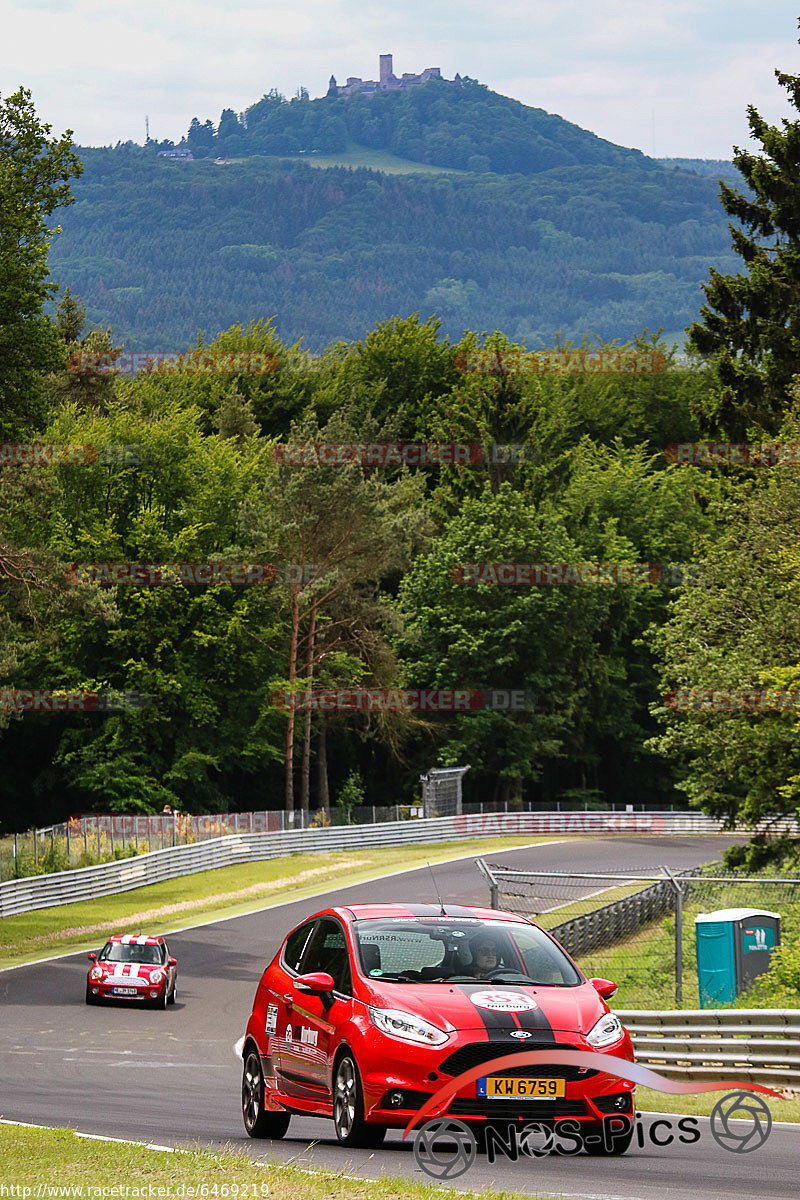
[495, 1007]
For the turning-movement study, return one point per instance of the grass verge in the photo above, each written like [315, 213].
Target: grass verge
[33, 1158]
[648, 1100]
[226, 891]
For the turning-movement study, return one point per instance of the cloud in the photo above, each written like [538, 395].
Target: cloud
[98, 67]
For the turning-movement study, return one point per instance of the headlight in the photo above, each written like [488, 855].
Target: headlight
[609, 1029]
[96, 973]
[404, 1025]
[156, 976]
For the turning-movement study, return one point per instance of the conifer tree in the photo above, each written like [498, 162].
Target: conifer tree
[750, 326]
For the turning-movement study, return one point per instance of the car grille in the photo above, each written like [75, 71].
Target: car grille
[545, 1110]
[478, 1053]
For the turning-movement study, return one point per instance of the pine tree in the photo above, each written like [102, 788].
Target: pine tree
[751, 324]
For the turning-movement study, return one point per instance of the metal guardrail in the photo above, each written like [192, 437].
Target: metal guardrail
[757, 1045]
[619, 919]
[66, 887]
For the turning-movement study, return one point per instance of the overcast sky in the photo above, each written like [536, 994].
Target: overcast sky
[671, 78]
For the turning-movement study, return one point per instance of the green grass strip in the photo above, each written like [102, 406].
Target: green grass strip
[57, 1163]
[648, 1100]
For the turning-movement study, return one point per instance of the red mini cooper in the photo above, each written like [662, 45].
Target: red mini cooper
[133, 968]
[367, 1011]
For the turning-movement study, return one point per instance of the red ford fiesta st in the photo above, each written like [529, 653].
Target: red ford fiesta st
[365, 1012]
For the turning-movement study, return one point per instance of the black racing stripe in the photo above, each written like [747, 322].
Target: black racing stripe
[498, 1022]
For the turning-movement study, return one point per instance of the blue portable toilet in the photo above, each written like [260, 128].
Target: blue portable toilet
[734, 946]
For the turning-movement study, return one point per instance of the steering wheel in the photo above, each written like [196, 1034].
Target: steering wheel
[500, 971]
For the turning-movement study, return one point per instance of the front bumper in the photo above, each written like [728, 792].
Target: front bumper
[399, 1084]
[135, 990]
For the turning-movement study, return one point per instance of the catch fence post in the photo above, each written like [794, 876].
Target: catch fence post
[678, 938]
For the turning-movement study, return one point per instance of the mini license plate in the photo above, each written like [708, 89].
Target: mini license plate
[503, 1087]
[120, 991]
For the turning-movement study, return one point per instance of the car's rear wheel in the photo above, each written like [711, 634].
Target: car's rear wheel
[258, 1122]
[348, 1108]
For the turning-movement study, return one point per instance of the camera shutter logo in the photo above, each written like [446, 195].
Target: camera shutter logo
[444, 1148]
[741, 1107]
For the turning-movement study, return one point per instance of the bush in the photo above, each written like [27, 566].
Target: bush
[351, 794]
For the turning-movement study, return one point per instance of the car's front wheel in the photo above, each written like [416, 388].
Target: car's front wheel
[348, 1108]
[258, 1122]
[173, 996]
[90, 999]
[619, 1143]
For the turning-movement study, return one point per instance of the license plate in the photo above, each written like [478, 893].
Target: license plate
[119, 991]
[502, 1087]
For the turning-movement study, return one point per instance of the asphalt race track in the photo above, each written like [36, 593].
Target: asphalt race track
[172, 1077]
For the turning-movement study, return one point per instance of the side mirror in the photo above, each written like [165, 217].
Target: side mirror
[315, 984]
[91, 956]
[603, 987]
[172, 962]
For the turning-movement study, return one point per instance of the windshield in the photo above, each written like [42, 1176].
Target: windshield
[124, 952]
[436, 949]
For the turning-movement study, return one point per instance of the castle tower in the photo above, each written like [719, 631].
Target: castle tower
[332, 88]
[385, 68]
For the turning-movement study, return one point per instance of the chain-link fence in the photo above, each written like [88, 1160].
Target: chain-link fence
[638, 928]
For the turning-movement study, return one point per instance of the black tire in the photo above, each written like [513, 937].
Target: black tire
[258, 1121]
[348, 1108]
[620, 1144]
[173, 994]
[90, 999]
[161, 1001]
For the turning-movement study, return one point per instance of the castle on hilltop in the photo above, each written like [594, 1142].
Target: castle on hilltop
[388, 81]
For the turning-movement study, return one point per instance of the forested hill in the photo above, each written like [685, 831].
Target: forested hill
[461, 124]
[160, 249]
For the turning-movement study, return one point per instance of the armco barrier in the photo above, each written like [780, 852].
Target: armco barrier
[756, 1045]
[609, 924]
[66, 887]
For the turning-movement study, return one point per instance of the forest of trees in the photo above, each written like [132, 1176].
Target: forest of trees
[160, 249]
[368, 592]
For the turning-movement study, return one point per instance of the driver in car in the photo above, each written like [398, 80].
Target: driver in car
[485, 957]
